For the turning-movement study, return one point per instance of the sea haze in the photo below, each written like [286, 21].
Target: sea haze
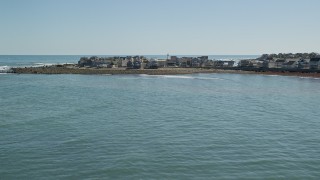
[159, 127]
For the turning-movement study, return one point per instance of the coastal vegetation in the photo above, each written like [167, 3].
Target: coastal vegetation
[290, 55]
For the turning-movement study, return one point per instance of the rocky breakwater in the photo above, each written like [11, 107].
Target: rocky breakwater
[73, 69]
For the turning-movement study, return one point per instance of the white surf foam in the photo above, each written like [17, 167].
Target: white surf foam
[42, 64]
[272, 75]
[308, 78]
[180, 77]
[5, 69]
[177, 77]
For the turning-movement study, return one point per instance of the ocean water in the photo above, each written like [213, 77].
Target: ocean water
[200, 126]
[36, 60]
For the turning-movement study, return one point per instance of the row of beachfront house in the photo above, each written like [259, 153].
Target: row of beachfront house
[196, 62]
[138, 62]
[279, 63]
[110, 62]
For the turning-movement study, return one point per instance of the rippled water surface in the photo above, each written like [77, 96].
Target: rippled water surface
[159, 127]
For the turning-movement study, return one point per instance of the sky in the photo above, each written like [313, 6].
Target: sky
[155, 27]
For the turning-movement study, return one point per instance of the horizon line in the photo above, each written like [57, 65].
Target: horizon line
[129, 54]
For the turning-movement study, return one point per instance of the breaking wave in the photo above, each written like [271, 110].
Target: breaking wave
[42, 64]
[181, 77]
[5, 69]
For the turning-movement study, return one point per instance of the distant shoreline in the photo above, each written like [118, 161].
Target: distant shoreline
[69, 69]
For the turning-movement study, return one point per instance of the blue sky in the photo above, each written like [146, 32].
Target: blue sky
[159, 26]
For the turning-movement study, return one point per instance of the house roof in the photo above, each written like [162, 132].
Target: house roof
[293, 59]
[305, 60]
[290, 63]
[314, 59]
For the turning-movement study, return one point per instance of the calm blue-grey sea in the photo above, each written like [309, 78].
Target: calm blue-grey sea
[200, 126]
